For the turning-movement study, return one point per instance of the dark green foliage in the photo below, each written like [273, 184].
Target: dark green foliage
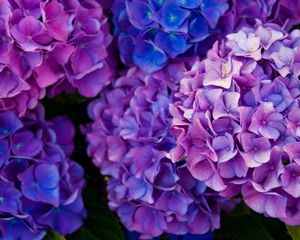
[101, 222]
[244, 224]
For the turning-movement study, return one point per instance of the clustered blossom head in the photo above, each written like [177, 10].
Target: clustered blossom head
[40, 187]
[237, 120]
[152, 32]
[130, 141]
[55, 43]
[285, 13]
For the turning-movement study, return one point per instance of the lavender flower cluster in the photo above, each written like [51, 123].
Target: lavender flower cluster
[40, 187]
[130, 141]
[237, 121]
[62, 44]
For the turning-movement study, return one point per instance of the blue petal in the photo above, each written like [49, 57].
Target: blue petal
[140, 14]
[156, 4]
[41, 183]
[148, 57]
[149, 34]
[128, 127]
[172, 16]
[206, 236]
[212, 10]
[276, 99]
[198, 29]
[137, 188]
[47, 176]
[172, 43]
[9, 123]
[132, 235]
[4, 151]
[126, 46]
[16, 228]
[222, 5]
[189, 3]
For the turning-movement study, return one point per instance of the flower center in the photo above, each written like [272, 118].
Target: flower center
[172, 18]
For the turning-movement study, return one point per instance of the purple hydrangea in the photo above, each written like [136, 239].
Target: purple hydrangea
[130, 141]
[40, 187]
[58, 44]
[152, 32]
[236, 121]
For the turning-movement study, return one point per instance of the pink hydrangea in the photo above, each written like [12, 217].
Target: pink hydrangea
[236, 120]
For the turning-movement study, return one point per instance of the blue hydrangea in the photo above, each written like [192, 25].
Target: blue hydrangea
[152, 32]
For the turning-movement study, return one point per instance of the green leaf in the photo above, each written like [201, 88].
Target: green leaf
[244, 224]
[241, 228]
[101, 222]
[294, 231]
[75, 98]
[53, 236]
[240, 210]
[241, 224]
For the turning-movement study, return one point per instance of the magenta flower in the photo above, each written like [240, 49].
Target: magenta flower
[52, 45]
[31, 34]
[51, 69]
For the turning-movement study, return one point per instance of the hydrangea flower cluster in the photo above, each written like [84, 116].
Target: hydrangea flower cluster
[237, 120]
[40, 187]
[47, 43]
[152, 32]
[130, 140]
[282, 12]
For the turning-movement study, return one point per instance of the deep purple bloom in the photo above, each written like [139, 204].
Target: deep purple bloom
[40, 187]
[19, 228]
[40, 183]
[9, 198]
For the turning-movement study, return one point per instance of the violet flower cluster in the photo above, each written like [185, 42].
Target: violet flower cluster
[152, 32]
[285, 13]
[59, 43]
[130, 140]
[40, 187]
[237, 120]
